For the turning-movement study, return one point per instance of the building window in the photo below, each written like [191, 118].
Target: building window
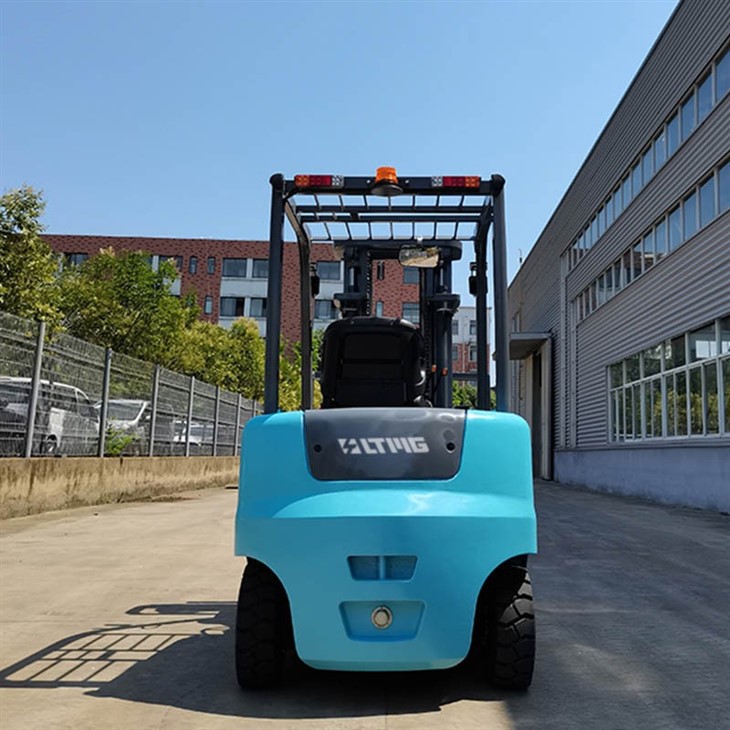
[324, 309]
[454, 327]
[232, 306]
[723, 179]
[208, 305]
[193, 265]
[328, 270]
[673, 135]
[211, 264]
[380, 270]
[177, 260]
[454, 353]
[636, 180]
[722, 76]
[647, 164]
[472, 353]
[411, 275]
[378, 309]
[660, 149]
[696, 210]
[704, 98]
[234, 268]
[258, 307]
[690, 215]
[707, 201]
[679, 388]
[260, 269]
[75, 259]
[411, 312]
[472, 328]
[687, 115]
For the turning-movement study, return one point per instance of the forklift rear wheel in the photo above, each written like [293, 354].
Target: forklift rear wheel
[264, 636]
[508, 628]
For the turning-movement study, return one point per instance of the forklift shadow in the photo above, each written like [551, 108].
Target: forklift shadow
[181, 655]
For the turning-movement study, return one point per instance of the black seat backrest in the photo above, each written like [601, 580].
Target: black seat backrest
[372, 361]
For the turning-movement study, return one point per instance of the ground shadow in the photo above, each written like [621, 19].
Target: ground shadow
[181, 655]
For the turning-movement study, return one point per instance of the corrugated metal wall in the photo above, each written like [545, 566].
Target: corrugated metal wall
[689, 289]
[693, 36]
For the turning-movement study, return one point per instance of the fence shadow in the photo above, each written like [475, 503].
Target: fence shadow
[181, 655]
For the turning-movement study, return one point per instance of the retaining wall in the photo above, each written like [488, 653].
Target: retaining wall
[29, 486]
[690, 476]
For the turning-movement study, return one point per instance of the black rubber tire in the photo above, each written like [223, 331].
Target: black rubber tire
[507, 628]
[264, 636]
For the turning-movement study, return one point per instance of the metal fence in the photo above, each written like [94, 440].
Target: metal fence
[62, 395]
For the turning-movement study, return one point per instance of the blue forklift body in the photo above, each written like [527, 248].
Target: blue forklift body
[423, 547]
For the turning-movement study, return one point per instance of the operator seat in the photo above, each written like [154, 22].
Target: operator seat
[372, 361]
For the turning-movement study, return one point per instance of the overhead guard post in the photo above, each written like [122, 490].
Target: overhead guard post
[273, 295]
[501, 319]
[305, 295]
[480, 255]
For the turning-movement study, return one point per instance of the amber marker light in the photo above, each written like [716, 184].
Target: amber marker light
[386, 183]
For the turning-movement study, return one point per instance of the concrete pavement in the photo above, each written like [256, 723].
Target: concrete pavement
[120, 617]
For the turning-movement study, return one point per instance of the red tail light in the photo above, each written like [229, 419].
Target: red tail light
[318, 181]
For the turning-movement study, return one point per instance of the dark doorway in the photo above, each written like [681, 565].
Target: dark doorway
[537, 435]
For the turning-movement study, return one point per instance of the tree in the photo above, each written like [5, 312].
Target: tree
[465, 396]
[232, 359]
[116, 300]
[248, 349]
[290, 373]
[28, 266]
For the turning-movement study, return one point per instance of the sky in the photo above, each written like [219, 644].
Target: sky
[168, 118]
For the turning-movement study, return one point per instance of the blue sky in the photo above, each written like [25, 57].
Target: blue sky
[167, 118]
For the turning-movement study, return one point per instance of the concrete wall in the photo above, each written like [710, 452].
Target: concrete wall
[682, 475]
[29, 486]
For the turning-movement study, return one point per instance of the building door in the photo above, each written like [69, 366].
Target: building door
[536, 415]
[532, 394]
[538, 410]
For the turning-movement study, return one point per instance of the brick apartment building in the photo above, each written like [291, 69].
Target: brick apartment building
[229, 279]
[464, 342]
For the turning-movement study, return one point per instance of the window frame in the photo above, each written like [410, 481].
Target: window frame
[227, 265]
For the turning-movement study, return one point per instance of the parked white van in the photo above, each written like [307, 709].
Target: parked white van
[132, 417]
[66, 421]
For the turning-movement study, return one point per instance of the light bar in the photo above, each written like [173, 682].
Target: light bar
[319, 181]
[456, 181]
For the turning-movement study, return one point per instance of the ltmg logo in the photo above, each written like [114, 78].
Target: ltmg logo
[385, 445]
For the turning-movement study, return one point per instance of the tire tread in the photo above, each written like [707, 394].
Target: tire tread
[508, 628]
[264, 637]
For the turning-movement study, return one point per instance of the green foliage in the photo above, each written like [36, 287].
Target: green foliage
[465, 396]
[290, 382]
[27, 265]
[232, 359]
[290, 374]
[116, 300]
[116, 441]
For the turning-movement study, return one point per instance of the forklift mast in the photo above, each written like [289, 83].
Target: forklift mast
[420, 221]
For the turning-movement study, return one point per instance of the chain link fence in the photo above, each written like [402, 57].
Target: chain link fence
[64, 396]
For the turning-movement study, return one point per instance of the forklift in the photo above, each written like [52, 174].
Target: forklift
[387, 530]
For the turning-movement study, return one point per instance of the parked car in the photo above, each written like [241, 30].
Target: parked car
[132, 417]
[201, 437]
[65, 423]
